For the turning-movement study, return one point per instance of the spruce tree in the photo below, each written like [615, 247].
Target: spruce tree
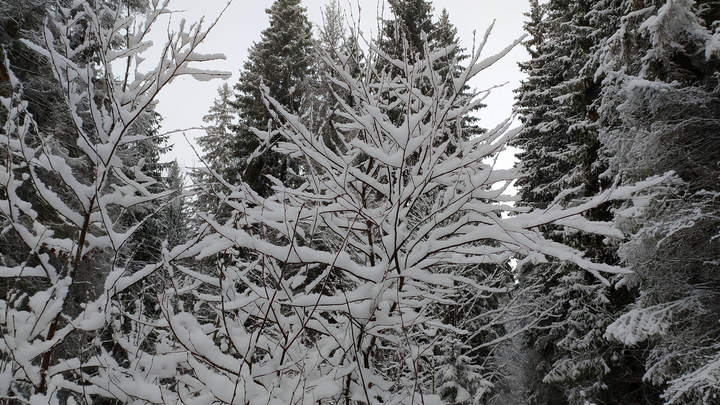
[217, 145]
[146, 243]
[544, 160]
[218, 137]
[660, 112]
[403, 38]
[405, 35]
[176, 212]
[444, 36]
[561, 150]
[332, 45]
[282, 60]
[408, 35]
[559, 143]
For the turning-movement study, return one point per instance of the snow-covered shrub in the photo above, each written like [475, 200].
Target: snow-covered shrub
[69, 188]
[328, 290]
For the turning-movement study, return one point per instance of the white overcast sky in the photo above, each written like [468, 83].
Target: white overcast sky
[184, 102]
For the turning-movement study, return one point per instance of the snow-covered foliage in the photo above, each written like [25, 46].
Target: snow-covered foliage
[380, 273]
[621, 91]
[660, 112]
[67, 201]
[325, 292]
[560, 156]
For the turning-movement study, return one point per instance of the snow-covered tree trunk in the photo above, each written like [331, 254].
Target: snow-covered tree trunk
[68, 201]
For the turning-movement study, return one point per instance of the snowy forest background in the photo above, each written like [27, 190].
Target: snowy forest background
[348, 237]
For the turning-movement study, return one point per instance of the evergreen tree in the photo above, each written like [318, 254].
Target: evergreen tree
[409, 35]
[561, 150]
[146, 243]
[176, 213]
[556, 102]
[444, 36]
[20, 21]
[282, 60]
[660, 112]
[217, 145]
[321, 101]
[404, 37]
[218, 137]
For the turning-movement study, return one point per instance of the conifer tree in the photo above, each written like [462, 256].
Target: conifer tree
[321, 101]
[147, 241]
[21, 21]
[559, 144]
[176, 212]
[444, 36]
[410, 34]
[405, 35]
[218, 137]
[561, 150]
[282, 60]
[660, 112]
[217, 145]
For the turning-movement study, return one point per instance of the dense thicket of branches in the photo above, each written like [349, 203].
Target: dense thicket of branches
[82, 196]
[352, 239]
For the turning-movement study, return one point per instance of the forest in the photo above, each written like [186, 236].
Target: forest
[348, 236]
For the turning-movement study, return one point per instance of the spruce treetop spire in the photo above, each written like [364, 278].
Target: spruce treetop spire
[282, 57]
[412, 18]
[283, 61]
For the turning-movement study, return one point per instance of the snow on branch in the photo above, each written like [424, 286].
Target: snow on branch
[80, 205]
[340, 276]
